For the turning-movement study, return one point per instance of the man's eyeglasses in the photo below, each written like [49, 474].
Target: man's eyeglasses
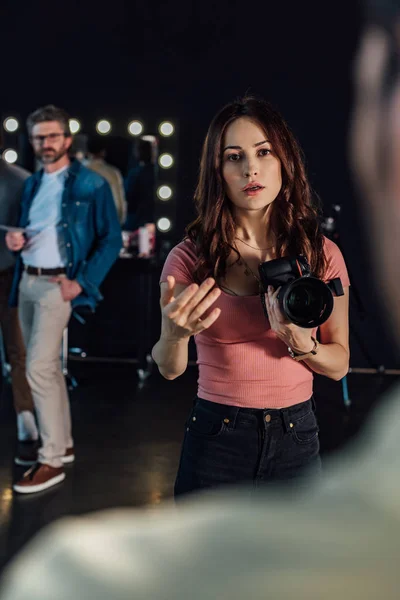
[52, 137]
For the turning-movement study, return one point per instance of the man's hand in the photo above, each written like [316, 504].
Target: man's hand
[70, 288]
[15, 240]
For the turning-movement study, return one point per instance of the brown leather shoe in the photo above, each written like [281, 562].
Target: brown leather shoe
[69, 456]
[38, 478]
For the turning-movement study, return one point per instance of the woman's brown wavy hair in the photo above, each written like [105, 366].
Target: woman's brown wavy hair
[294, 213]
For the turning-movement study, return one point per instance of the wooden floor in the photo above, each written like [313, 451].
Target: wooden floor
[127, 441]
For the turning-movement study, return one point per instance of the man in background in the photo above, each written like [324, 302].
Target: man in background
[71, 237]
[12, 179]
[97, 162]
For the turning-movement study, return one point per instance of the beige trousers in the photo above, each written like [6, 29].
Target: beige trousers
[43, 316]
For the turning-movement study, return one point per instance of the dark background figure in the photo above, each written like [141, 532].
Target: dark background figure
[97, 152]
[12, 179]
[140, 188]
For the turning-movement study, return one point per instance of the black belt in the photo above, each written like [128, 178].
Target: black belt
[39, 271]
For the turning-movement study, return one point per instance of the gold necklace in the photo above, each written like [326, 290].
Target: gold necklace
[253, 247]
[248, 271]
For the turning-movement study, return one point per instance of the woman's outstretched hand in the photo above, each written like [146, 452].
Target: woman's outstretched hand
[182, 315]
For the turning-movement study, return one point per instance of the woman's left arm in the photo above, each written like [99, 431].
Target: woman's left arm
[332, 358]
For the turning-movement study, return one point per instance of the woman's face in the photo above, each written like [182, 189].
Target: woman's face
[250, 168]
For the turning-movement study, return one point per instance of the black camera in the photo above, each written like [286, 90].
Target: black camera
[305, 300]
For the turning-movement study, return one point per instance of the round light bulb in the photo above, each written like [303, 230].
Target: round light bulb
[10, 156]
[166, 129]
[74, 125]
[103, 126]
[166, 161]
[11, 124]
[164, 192]
[164, 224]
[135, 127]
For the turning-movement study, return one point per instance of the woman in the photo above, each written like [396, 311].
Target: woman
[253, 418]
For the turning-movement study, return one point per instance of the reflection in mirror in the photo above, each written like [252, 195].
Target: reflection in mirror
[141, 182]
[130, 167]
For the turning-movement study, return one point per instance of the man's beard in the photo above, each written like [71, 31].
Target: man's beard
[52, 156]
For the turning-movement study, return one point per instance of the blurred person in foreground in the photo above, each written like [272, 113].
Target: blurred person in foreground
[341, 540]
[97, 162]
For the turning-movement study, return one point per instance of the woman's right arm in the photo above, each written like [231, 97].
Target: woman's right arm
[181, 310]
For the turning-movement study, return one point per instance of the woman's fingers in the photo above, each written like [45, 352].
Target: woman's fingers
[190, 298]
[167, 292]
[186, 310]
[202, 325]
[271, 301]
[201, 293]
[201, 308]
[181, 300]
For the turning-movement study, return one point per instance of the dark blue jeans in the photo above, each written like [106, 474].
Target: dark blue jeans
[231, 445]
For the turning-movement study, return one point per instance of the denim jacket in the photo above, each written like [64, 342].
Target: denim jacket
[91, 230]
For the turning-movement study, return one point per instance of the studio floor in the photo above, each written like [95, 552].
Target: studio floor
[127, 443]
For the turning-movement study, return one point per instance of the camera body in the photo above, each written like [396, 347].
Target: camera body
[305, 300]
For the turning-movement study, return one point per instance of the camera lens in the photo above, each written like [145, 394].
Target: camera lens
[307, 302]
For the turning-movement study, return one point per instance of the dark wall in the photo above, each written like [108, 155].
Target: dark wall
[183, 61]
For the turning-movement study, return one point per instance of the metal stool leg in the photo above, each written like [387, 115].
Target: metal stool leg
[5, 366]
[345, 389]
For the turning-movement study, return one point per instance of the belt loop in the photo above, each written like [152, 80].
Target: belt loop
[231, 415]
[286, 420]
[39, 271]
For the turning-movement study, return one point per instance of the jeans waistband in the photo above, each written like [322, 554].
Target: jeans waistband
[229, 411]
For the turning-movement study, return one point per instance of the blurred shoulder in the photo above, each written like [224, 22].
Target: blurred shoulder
[13, 172]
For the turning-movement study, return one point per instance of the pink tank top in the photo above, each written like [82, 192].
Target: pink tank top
[241, 360]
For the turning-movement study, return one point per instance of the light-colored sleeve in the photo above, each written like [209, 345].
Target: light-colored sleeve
[342, 544]
[119, 196]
